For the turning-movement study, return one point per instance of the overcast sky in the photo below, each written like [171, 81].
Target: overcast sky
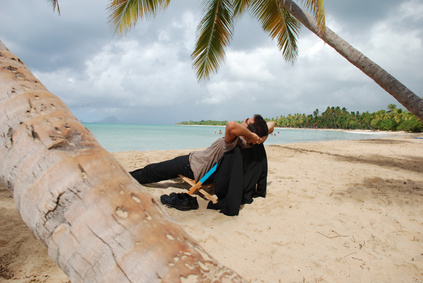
[146, 76]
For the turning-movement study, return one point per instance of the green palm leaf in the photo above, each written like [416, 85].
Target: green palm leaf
[55, 4]
[214, 34]
[280, 25]
[124, 14]
[318, 9]
[240, 6]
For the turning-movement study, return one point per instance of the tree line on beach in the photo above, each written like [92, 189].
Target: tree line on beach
[392, 119]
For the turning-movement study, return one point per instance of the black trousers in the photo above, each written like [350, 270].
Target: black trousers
[164, 170]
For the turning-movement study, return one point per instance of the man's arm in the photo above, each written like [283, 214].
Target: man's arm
[271, 128]
[234, 130]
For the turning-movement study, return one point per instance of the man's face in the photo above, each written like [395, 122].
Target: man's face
[247, 121]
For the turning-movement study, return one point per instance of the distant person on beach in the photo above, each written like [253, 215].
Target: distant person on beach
[195, 165]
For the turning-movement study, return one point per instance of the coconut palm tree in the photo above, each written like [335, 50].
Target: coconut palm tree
[98, 223]
[280, 18]
[391, 108]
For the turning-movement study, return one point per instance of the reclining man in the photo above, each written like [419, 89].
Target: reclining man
[195, 165]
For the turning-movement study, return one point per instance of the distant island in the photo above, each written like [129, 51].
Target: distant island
[392, 119]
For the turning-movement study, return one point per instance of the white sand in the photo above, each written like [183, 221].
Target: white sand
[338, 211]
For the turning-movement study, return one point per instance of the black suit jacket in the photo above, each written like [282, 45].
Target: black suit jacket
[241, 175]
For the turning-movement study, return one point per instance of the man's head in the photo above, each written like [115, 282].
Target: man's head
[257, 125]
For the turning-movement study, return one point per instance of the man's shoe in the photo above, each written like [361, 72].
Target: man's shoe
[192, 200]
[181, 201]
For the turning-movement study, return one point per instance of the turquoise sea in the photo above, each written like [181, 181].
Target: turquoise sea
[127, 137]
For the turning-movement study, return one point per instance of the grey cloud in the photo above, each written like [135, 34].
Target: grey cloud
[146, 76]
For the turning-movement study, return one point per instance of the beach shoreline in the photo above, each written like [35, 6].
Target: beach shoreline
[335, 211]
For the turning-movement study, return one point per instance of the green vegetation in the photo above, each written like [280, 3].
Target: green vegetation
[392, 119]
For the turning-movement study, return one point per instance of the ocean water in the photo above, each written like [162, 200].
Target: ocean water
[128, 137]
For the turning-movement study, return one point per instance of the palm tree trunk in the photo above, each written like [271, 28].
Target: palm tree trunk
[401, 93]
[98, 223]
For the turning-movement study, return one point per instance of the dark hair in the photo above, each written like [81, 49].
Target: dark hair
[259, 126]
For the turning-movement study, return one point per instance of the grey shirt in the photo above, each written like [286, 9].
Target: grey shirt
[202, 161]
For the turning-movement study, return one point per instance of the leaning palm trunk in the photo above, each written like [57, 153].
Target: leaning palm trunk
[97, 222]
[406, 97]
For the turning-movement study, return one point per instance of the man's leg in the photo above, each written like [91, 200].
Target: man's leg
[164, 170]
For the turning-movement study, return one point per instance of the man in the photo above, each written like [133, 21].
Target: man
[195, 165]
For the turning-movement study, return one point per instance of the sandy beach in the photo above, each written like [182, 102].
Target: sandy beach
[337, 211]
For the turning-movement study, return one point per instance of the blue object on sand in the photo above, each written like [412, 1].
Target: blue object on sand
[208, 174]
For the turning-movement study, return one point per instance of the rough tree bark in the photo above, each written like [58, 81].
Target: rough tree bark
[97, 222]
[400, 92]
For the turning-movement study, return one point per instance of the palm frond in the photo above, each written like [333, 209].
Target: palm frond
[214, 34]
[240, 6]
[276, 20]
[124, 14]
[55, 4]
[318, 9]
